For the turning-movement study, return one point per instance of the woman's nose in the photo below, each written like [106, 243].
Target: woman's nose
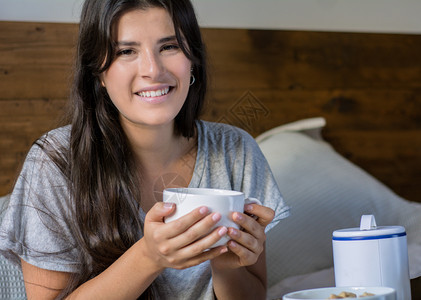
[150, 66]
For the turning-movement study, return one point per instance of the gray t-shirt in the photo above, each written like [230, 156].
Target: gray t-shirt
[34, 226]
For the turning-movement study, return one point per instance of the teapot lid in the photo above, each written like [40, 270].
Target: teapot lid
[368, 230]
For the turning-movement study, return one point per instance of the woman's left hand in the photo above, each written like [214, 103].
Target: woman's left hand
[246, 244]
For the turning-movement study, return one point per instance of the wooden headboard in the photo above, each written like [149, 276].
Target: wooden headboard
[367, 87]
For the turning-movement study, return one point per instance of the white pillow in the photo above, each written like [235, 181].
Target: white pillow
[326, 192]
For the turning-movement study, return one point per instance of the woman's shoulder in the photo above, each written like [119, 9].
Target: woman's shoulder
[60, 135]
[218, 131]
[53, 141]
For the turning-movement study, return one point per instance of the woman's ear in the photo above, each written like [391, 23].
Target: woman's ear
[101, 79]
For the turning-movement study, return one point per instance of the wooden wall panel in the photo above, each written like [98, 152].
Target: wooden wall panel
[21, 122]
[367, 86]
[313, 60]
[35, 72]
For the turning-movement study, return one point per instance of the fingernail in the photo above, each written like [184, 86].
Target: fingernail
[233, 232]
[233, 244]
[222, 231]
[248, 207]
[203, 210]
[224, 250]
[168, 205]
[216, 217]
[238, 216]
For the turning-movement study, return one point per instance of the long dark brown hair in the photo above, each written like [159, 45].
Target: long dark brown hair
[99, 165]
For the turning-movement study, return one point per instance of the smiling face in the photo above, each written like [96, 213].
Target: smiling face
[148, 80]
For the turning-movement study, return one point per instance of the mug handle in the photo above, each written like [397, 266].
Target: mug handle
[252, 201]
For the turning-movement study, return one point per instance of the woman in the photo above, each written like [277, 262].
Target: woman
[85, 219]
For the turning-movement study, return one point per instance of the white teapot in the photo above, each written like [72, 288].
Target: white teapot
[372, 255]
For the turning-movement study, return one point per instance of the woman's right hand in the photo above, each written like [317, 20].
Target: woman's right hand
[181, 243]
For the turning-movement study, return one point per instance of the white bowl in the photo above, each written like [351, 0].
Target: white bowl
[381, 293]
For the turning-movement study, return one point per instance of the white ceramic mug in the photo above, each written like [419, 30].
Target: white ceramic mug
[216, 200]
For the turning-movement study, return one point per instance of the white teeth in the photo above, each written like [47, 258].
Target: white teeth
[157, 93]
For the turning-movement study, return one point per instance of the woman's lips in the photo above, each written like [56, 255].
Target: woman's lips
[154, 95]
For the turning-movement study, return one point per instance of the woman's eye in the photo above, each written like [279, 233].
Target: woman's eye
[170, 47]
[125, 52]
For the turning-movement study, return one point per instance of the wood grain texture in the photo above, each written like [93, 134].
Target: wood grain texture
[35, 72]
[367, 86]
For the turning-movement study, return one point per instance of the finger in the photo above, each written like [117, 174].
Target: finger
[249, 224]
[199, 230]
[203, 256]
[246, 257]
[246, 240]
[159, 211]
[264, 214]
[203, 244]
[183, 223]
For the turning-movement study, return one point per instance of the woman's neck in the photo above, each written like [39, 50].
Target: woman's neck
[157, 148]
[164, 160]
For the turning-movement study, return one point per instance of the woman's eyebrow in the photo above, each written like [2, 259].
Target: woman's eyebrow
[171, 38]
[163, 40]
[127, 43]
